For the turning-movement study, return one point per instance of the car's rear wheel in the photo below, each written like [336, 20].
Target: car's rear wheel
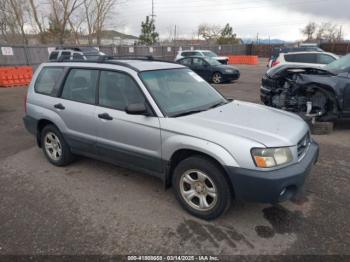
[55, 147]
[217, 78]
[201, 187]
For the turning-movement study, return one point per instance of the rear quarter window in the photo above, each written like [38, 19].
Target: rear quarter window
[325, 59]
[47, 79]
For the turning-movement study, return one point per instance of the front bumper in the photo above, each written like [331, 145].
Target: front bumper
[231, 76]
[266, 95]
[272, 186]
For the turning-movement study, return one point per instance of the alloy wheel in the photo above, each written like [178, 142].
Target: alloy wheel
[198, 190]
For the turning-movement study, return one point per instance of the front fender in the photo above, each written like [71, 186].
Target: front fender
[174, 142]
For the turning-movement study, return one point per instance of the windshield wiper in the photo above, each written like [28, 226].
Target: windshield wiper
[190, 112]
[218, 104]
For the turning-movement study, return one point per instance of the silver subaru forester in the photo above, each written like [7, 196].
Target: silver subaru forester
[164, 120]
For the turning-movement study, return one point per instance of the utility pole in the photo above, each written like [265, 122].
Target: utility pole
[153, 15]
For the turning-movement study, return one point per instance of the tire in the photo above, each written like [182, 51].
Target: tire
[321, 128]
[52, 141]
[216, 78]
[208, 180]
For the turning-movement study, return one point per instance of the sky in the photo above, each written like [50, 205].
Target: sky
[277, 19]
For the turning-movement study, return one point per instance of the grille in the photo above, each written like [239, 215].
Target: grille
[303, 144]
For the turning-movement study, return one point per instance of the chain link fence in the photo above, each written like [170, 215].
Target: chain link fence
[35, 55]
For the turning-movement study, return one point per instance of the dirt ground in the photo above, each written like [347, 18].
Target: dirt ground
[92, 207]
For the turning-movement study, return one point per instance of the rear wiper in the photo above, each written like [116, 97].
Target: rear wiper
[188, 113]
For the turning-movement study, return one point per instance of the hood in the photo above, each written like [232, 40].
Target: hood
[257, 123]
[280, 70]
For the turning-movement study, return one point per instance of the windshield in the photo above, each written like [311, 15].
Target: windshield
[212, 61]
[340, 65]
[209, 54]
[181, 91]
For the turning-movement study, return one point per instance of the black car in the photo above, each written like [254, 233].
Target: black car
[210, 69]
[319, 93]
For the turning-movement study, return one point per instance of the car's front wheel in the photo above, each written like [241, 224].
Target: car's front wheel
[201, 187]
[217, 78]
[55, 147]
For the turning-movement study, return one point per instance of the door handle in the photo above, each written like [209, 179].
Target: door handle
[59, 106]
[105, 116]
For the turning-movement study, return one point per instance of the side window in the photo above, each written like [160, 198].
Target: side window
[117, 90]
[77, 56]
[301, 58]
[47, 79]
[198, 62]
[66, 54]
[80, 85]
[186, 54]
[325, 59]
[186, 61]
[53, 55]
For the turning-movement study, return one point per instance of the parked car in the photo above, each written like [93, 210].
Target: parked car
[210, 69]
[162, 119]
[201, 53]
[305, 58]
[74, 53]
[321, 93]
[277, 50]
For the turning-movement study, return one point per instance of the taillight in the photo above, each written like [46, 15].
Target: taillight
[25, 103]
[274, 63]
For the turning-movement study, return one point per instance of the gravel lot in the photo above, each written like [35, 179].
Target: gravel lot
[95, 208]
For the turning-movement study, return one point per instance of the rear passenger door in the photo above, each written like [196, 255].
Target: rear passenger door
[76, 107]
[128, 140]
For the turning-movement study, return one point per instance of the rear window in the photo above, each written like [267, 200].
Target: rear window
[301, 58]
[53, 55]
[47, 80]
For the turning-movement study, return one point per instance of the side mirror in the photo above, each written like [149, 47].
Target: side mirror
[136, 109]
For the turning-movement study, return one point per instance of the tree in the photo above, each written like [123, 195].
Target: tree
[96, 15]
[327, 32]
[61, 12]
[309, 31]
[34, 12]
[227, 36]
[148, 36]
[209, 32]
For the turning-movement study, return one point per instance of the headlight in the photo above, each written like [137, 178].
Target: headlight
[270, 157]
[228, 70]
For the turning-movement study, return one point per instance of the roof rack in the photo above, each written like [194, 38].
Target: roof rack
[109, 60]
[105, 59]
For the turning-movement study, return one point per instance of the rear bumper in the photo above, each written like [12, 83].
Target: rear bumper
[31, 124]
[272, 186]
